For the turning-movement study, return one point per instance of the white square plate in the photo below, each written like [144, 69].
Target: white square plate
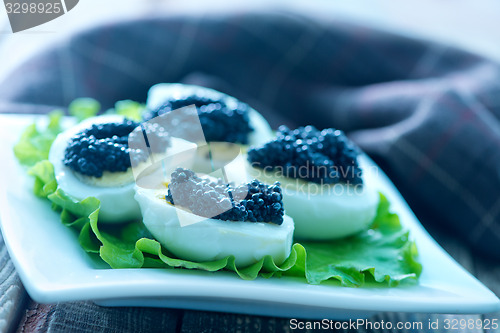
[54, 268]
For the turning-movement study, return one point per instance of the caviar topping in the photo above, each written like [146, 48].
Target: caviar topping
[252, 202]
[324, 157]
[105, 147]
[221, 119]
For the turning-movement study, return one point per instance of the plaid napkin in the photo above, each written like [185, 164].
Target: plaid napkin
[427, 113]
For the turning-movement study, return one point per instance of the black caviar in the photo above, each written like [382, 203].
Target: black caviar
[220, 119]
[258, 202]
[105, 147]
[324, 157]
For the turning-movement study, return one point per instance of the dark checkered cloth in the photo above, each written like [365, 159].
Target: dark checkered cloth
[427, 113]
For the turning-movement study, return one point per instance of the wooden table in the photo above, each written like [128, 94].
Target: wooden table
[19, 313]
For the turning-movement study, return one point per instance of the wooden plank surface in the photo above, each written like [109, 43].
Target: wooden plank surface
[207, 322]
[12, 293]
[87, 317]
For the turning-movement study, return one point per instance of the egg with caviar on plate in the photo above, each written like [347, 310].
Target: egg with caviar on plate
[325, 190]
[223, 118]
[196, 219]
[92, 159]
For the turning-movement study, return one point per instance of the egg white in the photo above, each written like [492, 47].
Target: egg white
[197, 238]
[115, 190]
[117, 202]
[160, 92]
[323, 212]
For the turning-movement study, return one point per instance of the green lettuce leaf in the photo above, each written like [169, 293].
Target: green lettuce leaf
[34, 144]
[382, 254]
[83, 108]
[45, 181]
[129, 109]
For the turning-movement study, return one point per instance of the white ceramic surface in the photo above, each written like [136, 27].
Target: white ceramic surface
[54, 268]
